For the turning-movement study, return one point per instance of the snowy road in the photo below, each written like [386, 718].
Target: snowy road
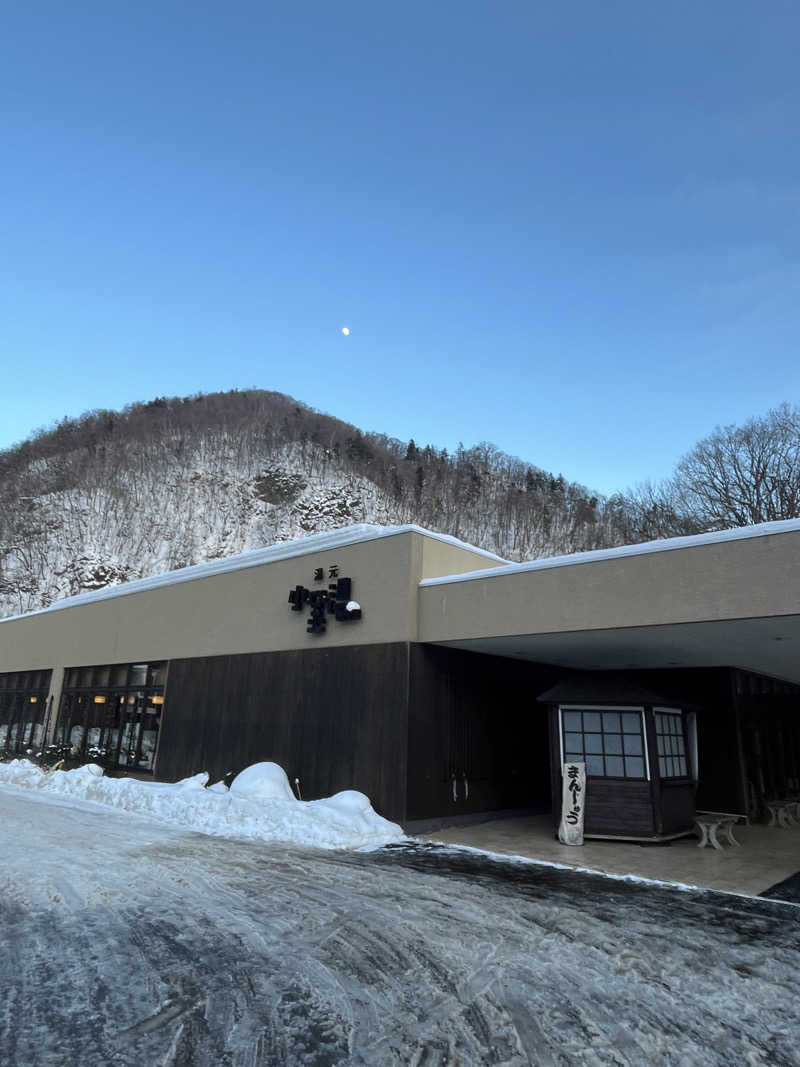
[132, 943]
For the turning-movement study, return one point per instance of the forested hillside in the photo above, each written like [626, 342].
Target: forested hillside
[113, 496]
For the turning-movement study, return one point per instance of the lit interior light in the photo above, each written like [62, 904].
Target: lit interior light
[157, 700]
[99, 700]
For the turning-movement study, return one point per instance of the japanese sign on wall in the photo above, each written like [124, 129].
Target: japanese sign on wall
[336, 600]
[573, 804]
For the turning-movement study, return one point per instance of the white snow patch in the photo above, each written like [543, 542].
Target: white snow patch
[350, 802]
[259, 805]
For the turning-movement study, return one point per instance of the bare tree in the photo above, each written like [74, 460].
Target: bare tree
[651, 512]
[741, 475]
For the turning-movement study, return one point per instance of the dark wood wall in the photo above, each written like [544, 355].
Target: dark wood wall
[769, 727]
[474, 718]
[677, 806]
[615, 806]
[405, 723]
[397, 722]
[334, 718]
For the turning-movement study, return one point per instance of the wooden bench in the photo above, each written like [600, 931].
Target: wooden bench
[709, 823]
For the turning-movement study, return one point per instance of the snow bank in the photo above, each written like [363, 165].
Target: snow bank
[260, 804]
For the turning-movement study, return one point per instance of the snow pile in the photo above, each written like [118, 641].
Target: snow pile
[260, 804]
[262, 780]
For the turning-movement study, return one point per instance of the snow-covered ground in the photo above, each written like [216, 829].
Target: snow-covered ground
[132, 942]
[260, 804]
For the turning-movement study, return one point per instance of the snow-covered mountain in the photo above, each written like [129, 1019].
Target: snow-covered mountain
[119, 495]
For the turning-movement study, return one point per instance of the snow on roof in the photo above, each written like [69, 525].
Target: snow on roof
[303, 546]
[742, 533]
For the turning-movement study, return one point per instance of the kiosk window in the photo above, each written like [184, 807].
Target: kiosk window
[671, 744]
[609, 741]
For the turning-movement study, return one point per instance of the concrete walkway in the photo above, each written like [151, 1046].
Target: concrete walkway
[767, 854]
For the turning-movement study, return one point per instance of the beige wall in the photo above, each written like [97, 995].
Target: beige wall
[440, 558]
[240, 611]
[756, 577]
[247, 611]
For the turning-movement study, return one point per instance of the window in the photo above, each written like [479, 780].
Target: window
[23, 704]
[671, 743]
[609, 741]
[112, 713]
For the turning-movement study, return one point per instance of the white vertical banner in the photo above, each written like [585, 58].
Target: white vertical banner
[573, 803]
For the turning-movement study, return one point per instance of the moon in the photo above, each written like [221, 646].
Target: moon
[346, 331]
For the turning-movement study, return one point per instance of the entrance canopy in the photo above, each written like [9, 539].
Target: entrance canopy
[721, 599]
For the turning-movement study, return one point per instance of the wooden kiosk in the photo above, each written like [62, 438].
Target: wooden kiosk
[640, 751]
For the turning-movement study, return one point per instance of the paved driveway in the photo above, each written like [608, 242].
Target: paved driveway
[128, 942]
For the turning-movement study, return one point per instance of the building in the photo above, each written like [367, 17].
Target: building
[435, 677]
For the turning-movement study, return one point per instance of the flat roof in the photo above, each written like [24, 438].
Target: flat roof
[671, 544]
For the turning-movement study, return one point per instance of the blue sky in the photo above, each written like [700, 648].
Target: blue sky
[569, 229]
